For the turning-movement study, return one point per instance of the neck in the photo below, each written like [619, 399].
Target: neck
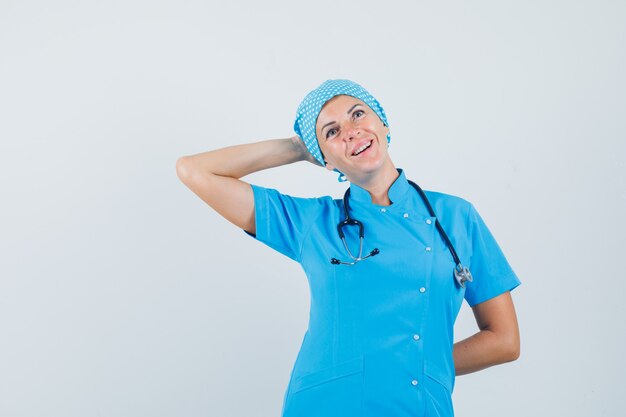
[378, 185]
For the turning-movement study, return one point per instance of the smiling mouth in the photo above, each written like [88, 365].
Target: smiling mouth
[363, 149]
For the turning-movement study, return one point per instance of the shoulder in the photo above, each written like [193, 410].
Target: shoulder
[448, 203]
[298, 196]
[296, 201]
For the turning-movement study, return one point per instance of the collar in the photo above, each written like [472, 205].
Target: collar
[398, 190]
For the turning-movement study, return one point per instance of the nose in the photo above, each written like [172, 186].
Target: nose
[351, 131]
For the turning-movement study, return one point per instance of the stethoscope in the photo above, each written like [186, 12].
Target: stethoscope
[461, 273]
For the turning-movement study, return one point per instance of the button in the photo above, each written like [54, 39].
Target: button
[422, 289]
[406, 215]
[383, 210]
[428, 221]
[416, 336]
[427, 248]
[414, 382]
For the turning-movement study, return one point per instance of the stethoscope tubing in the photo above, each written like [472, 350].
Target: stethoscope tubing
[461, 273]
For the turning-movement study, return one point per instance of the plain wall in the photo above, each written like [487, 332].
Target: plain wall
[124, 294]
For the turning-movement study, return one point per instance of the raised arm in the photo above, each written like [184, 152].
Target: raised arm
[214, 175]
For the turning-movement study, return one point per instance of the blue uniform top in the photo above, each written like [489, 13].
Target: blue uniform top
[380, 334]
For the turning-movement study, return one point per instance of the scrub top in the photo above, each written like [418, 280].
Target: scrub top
[380, 335]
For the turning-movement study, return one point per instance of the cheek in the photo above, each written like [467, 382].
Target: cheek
[333, 148]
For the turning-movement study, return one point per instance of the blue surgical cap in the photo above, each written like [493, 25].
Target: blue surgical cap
[309, 110]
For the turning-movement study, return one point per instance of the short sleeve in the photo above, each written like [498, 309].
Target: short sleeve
[283, 221]
[492, 275]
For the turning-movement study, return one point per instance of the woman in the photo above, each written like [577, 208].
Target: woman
[380, 336]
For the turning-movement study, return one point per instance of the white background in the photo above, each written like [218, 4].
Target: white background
[123, 294]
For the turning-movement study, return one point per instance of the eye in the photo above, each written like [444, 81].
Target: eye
[353, 113]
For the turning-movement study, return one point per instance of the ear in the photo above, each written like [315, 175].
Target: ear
[329, 166]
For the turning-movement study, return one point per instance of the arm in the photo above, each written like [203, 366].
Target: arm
[497, 341]
[214, 175]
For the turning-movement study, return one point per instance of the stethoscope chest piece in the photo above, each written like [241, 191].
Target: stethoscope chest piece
[462, 274]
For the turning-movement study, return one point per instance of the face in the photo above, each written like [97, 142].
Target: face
[344, 126]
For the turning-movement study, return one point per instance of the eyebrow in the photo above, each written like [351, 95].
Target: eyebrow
[348, 112]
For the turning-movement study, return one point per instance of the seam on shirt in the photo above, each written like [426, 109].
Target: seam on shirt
[517, 282]
[262, 206]
[470, 232]
[284, 249]
[306, 234]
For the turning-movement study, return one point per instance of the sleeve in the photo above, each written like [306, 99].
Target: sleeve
[283, 221]
[492, 275]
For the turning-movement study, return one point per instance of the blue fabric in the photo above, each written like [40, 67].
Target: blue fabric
[380, 335]
[311, 105]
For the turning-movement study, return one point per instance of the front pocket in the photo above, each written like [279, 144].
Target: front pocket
[438, 376]
[340, 370]
[336, 391]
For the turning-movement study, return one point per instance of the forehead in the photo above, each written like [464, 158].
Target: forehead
[337, 106]
[339, 103]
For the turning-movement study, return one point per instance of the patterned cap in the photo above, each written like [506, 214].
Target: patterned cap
[309, 110]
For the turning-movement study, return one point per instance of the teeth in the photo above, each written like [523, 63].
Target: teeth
[362, 148]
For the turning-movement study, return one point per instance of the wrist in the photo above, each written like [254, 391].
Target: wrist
[299, 148]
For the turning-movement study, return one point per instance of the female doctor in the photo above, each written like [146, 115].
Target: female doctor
[388, 265]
